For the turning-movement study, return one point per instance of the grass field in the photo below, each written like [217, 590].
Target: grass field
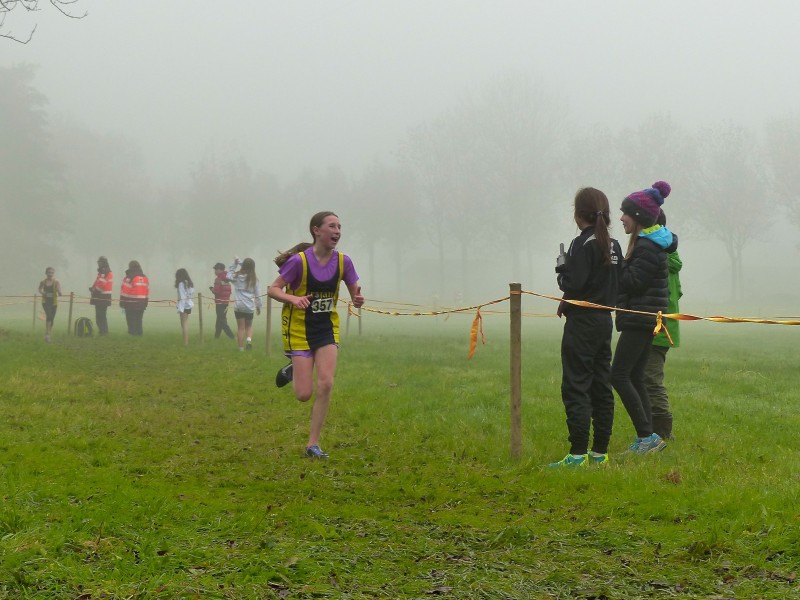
[137, 468]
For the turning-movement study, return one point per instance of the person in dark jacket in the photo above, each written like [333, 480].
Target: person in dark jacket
[588, 271]
[643, 287]
[222, 296]
[654, 372]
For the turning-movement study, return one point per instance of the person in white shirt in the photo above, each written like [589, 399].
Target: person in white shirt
[247, 298]
[185, 287]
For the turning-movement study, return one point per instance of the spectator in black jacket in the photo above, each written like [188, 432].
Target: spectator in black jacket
[588, 271]
[643, 287]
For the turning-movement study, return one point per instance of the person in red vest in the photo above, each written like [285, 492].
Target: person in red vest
[133, 296]
[101, 294]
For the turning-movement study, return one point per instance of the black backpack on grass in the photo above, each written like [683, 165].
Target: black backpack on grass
[83, 327]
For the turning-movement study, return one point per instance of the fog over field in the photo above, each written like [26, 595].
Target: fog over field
[449, 136]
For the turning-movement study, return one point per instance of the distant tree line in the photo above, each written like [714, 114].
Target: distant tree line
[470, 194]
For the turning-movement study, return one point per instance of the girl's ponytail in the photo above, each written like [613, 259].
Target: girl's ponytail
[591, 206]
[284, 256]
[602, 235]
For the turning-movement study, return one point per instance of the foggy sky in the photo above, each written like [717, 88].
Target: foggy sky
[296, 84]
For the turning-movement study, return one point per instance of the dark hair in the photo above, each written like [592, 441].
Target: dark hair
[183, 275]
[316, 221]
[134, 269]
[591, 206]
[103, 266]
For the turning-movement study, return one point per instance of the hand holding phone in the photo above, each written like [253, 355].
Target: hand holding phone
[561, 259]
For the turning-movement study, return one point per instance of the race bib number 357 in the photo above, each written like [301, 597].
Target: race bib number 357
[322, 305]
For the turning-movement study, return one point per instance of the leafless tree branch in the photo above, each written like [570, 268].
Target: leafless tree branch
[13, 38]
[6, 6]
[60, 4]
[9, 5]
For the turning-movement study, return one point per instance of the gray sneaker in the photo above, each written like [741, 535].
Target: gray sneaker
[315, 452]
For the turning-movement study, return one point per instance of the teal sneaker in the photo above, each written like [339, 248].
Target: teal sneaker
[634, 447]
[598, 459]
[571, 460]
[652, 443]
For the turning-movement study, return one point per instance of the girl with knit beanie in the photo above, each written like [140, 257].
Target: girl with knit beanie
[643, 288]
[654, 372]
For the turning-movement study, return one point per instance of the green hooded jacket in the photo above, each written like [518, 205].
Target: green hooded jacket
[674, 262]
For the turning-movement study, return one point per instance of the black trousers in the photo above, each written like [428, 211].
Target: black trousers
[134, 318]
[627, 377]
[100, 315]
[222, 321]
[586, 379]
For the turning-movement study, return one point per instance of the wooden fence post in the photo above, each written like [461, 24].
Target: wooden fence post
[200, 313]
[69, 318]
[516, 369]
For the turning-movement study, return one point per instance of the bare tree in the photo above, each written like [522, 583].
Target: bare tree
[730, 171]
[443, 156]
[309, 193]
[485, 173]
[783, 148]
[591, 158]
[385, 216]
[522, 135]
[108, 191]
[230, 208]
[33, 199]
[660, 149]
[7, 8]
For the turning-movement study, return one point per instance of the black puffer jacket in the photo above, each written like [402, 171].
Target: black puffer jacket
[643, 286]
